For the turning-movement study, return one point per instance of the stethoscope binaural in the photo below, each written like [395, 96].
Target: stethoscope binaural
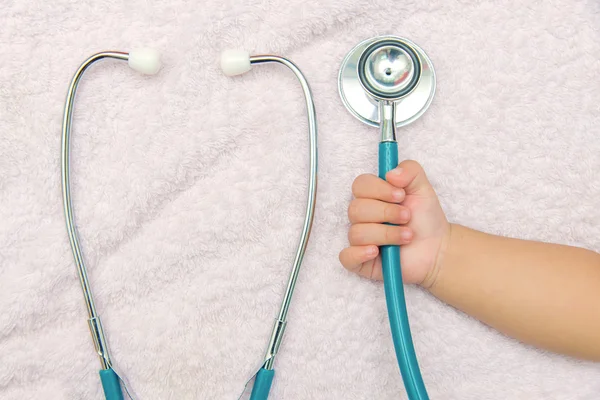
[389, 82]
[147, 61]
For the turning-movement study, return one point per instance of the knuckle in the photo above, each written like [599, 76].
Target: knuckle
[389, 213]
[341, 257]
[392, 234]
[388, 234]
[354, 234]
[356, 184]
[359, 182]
[353, 211]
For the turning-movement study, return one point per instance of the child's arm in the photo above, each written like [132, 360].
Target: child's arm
[544, 294]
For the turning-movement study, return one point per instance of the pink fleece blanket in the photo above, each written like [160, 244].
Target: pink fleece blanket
[190, 186]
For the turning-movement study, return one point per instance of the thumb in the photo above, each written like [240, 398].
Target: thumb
[410, 176]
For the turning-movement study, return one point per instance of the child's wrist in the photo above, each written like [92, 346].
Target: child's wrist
[434, 272]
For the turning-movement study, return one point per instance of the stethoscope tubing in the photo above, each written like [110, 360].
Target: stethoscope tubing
[262, 384]
[394, 296]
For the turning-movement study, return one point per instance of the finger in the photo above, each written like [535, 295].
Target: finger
[369, 186]
[410, 176]
[369, 210]
[362, 260]
[379, 234]
[353, 257]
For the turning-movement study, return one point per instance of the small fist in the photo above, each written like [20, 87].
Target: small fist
[407, 200]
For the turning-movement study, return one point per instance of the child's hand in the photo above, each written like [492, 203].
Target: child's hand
[407, 199]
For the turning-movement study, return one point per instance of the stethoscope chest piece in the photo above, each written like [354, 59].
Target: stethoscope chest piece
[387, 68]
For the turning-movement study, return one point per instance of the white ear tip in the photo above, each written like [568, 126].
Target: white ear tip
[146, 61]
[235, 62]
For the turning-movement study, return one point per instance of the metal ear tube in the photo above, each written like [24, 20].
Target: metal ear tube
[146, 61]
[236, 62]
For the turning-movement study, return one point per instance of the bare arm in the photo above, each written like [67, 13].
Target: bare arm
[543, 294]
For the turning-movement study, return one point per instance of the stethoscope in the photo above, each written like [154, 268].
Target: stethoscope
[384, 81]
[389, 82]
[147, 61]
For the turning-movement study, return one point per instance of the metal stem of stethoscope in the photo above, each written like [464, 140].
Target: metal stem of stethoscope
[94, 320]
[279, 327]
[236, 62]
[145, 61]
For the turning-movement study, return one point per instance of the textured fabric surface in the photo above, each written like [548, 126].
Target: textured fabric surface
[189, 190]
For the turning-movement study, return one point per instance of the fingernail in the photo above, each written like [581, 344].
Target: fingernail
[396, 171]
[404, 215]
[371, 250]
[406, 235]
[398, 194]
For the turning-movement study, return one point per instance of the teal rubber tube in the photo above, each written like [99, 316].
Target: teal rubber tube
[111, 384]
[394, 296]
[262, 384]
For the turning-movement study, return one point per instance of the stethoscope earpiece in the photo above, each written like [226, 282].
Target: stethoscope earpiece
[144, 60]
[235, 62]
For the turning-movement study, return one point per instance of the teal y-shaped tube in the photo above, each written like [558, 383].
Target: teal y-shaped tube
[262, 384]
[394, 296]
[111, 384]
